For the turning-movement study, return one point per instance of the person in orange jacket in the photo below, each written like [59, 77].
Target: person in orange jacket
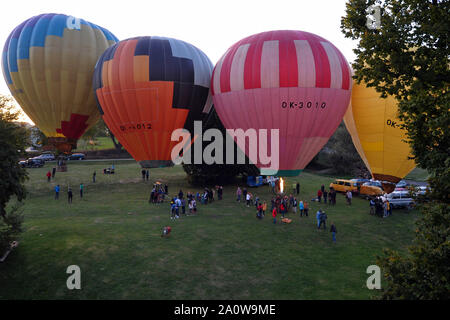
[264, 208]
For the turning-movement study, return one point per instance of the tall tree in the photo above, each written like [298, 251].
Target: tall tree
[340, 156]
[13, 139]
[405, 53]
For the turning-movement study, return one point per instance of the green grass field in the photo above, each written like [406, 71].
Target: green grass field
[224, 252]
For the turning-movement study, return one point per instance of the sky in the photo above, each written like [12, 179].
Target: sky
[210, 25]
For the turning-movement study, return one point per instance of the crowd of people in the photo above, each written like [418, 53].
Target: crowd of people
[380, 206]
[280, 205]
[179, 202]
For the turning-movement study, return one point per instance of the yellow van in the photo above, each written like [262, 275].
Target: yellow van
[342, 185]
[371, 188]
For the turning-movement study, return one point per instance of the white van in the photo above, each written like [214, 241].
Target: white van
[398, 199]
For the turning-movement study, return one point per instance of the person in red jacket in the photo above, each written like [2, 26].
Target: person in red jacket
[259, 213]
[319, 195]
[49, 176]
[274, 215]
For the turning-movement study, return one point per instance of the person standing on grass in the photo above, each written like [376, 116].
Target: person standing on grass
[69, 195]
[305, 205]
[333, 231]
[183, 206]
[220, 192]
[282, 208]
[256, 201]
[81, 190]
[298, 188]
[319, 195]
[294, 206]
[49, 176]
[318, 216]
[172, 209]
[238, 194]
[143, 174]
[323, 220]
[93, 176]
[147, 174]
[177, 207]
[53, 172]
[301, 207]
[191, 207]
[264, 208]
[372, 206]
[274, 215]
[259, 211]
[57, 192]
[244, 193]
[349, 197]
[325, 196]
[248, 199]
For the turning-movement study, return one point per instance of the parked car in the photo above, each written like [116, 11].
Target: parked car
[76, 156]
[399, 199]
[343, 185]
[371, 188]
[358, 183]
[402, 184]
[46, 157]
[32, 163]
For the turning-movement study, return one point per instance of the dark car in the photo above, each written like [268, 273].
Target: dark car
[76, 156]
[32, 163]
[46, 157]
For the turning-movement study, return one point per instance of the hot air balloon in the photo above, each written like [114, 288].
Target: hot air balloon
[149, 86]
[377, 135]
[48, 62]
[293, 81]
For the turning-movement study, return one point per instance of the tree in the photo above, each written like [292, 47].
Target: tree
[13, 140]
[340, 156]
[407, 56]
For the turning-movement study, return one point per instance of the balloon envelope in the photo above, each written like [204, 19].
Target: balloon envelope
[293, 81]
[149, 86]
[48, 62]
[377, 134]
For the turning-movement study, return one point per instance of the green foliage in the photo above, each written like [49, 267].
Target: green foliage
[10, 226]
[340, 155]
[13, 139]
[408, 57]
[425, 274]
[98, 130]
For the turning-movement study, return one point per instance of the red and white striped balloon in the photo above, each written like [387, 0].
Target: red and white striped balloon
[293, 81]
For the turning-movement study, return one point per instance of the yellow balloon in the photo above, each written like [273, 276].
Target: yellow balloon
[48, 63]
[377, 134]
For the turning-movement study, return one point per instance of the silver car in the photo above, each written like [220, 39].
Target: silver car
[399, 199]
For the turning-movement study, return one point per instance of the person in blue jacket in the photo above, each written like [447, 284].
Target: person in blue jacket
[57, 192]
[318, 216]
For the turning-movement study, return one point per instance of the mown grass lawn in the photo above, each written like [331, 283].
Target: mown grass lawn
[224, 252]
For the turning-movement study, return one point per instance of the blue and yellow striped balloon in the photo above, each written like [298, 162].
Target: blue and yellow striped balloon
[48, 62]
